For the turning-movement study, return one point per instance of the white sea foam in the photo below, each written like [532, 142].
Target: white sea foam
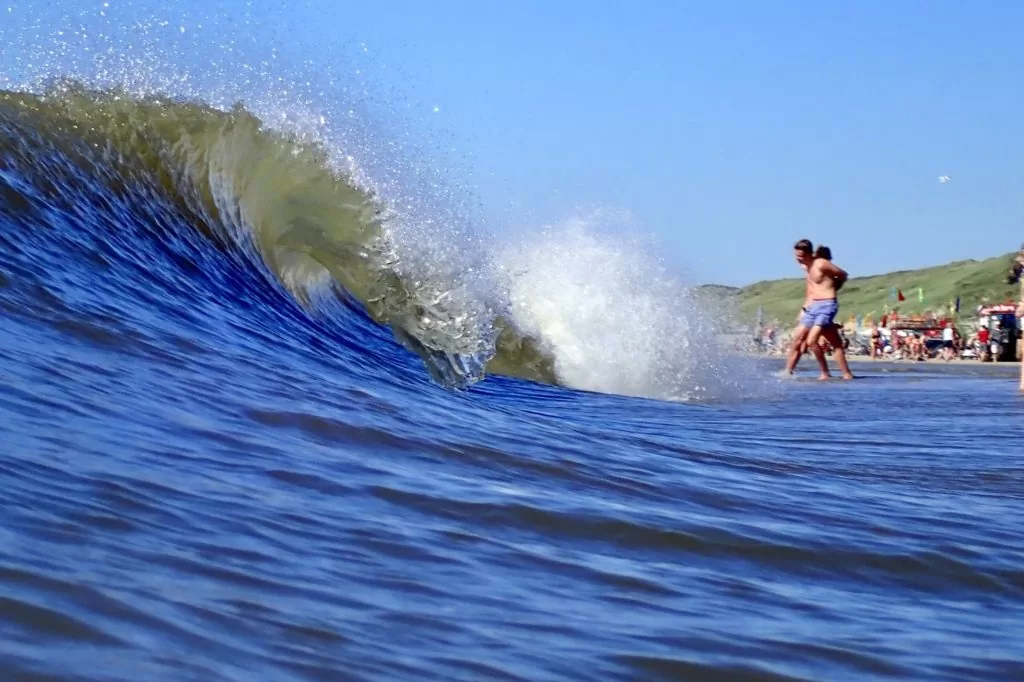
[613, 317]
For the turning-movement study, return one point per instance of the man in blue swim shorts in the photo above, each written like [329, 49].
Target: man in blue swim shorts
[821, 305]
[819, 313]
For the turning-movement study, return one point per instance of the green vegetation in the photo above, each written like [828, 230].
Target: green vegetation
[973, 281]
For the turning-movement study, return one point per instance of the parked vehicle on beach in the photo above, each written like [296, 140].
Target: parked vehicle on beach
[1003, 332]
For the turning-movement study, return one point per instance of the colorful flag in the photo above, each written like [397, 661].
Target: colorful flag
[920, 294]
[900, 296]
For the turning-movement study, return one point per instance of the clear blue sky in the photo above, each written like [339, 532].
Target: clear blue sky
[729, 129]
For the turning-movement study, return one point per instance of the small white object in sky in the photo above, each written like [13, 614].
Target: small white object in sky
[943, 179]
[437, 109]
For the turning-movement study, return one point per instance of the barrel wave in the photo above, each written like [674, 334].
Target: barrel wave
[187, 174]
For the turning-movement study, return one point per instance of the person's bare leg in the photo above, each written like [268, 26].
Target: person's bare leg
[1022, 339]
[833, 337]
[819, 353]
[796, 349]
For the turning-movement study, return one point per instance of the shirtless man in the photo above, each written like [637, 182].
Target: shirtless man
[798, 335]
[824, 279]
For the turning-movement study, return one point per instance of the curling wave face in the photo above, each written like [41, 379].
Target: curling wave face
[560, 306]
[266, 197]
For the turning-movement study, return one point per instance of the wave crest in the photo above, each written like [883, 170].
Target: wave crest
[280, 199]
[563, 305]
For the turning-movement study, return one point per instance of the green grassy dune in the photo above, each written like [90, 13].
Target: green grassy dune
[973, 281]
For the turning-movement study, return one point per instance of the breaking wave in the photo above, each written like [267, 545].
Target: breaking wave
[569, 304]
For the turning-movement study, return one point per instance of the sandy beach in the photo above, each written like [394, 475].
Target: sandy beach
[956, 361]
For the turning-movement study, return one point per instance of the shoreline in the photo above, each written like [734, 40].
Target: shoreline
[933, 361]
[866, 359]
[863, 367]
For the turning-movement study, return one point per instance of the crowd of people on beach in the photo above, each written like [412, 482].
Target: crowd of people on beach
[883, 344]
[943, 341]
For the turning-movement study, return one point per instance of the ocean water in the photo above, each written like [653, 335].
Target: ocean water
[268, 413]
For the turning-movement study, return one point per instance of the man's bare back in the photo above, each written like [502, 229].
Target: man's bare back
[824, 279]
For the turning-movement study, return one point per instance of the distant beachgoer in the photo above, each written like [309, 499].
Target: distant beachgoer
[876, 341]
[821, 305]
[949, 342]
[981, 342]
